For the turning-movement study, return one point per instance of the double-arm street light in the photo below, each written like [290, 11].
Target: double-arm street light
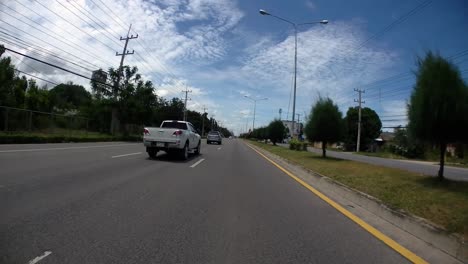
[255, 106]
[295, 25]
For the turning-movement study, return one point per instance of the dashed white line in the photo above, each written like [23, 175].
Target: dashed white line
[219, 148]
[46, 149]
[37, 259]
[124, 155]
[196, 163]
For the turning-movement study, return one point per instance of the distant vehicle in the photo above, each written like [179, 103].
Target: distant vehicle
[173, 137]
[214, 136]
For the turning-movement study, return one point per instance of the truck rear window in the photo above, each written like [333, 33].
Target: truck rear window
[174, 125]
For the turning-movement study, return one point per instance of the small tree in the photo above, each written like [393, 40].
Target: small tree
[438, 105]
[370, 127]
[276, 131]
[325, 123]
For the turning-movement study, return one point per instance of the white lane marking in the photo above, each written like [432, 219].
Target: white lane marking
[37, 259]
[196, 163]
[219, 148]
[124, 155]
[46, 149]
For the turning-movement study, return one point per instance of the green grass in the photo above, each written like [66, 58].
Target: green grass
[450, 161]
[65, 136]
[444, 203]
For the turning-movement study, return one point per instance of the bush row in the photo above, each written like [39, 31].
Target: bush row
[295, 144]
[24, 139]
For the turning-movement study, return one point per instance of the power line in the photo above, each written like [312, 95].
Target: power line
[39, 78]
[88, 52]
[66, 20]
[56, 37]
[118, 44]
[114, 14]
[106, 30]
[23, 44]
[393, 115]
[27, 65]
[144, 47]
[47, 43]
[400, 20]
[55, 66]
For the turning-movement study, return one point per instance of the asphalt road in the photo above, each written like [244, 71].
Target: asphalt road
[423, 167]
[109, 203]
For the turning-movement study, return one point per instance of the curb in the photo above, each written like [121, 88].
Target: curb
[453, 245]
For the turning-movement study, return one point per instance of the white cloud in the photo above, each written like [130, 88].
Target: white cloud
[311, 5]
[190, 44]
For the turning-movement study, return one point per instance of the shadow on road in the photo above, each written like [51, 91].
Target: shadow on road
[162, 156]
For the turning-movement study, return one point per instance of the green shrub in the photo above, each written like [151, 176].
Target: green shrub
[295, 144]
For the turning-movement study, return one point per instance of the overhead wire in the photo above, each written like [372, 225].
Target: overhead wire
[56, 66]
[57, 37]
[400, 20]
[66, 20]
[90, 53]
[37, 53]
[11, 36]
[78, 16]
[47, 43]
[36, 77]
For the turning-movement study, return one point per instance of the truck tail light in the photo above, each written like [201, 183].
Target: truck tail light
[146, 132]
[177, 133]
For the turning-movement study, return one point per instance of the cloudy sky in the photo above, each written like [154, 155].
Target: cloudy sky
[225, 50]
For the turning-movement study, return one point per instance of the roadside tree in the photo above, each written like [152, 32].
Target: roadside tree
[276, 131]
[370, 127]
[438, 106]
[325, 123]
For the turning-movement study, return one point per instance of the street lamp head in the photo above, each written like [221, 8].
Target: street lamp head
[324, 22]
[263, 12]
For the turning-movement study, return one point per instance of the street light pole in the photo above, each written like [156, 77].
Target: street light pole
[295, 25]
[255, 108]
[295, 76]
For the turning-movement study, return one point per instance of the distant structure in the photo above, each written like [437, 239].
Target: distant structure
[99, 76]
[297, 128]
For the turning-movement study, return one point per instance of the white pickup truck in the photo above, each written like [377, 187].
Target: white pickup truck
[172, 136]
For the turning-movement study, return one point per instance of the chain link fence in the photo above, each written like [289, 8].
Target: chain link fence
[22, 120]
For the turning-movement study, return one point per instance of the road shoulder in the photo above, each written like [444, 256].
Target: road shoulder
[414, 233]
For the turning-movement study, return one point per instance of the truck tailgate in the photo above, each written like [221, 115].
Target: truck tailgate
[160, 135]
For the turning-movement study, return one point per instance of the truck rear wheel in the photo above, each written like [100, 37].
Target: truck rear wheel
[152, 152]
[184, 152]
[197, 150]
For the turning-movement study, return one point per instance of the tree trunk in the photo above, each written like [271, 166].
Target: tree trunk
[443, 147]
[324, 149]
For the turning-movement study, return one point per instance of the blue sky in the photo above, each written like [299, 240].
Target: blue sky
[223, 50]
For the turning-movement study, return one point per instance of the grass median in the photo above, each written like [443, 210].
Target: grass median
[443, 203]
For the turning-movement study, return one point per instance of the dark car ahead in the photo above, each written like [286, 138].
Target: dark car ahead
[214, 136]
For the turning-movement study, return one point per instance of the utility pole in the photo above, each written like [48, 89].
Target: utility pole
[298, 124]
[359, 101]
[186, 91]
[280, 111]
[116, 88]
[203, 121]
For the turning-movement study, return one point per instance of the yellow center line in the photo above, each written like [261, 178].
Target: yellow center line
[387, 240]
